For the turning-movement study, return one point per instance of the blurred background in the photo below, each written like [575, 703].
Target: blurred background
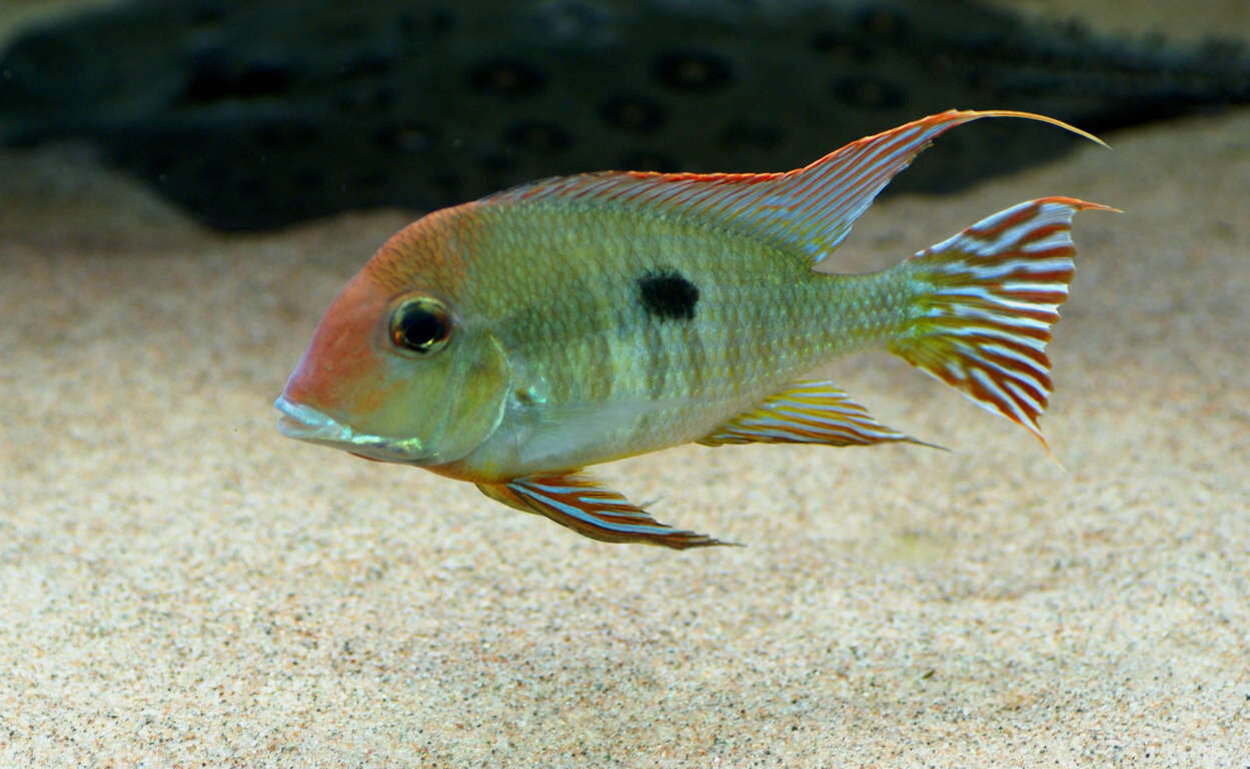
[256, 115]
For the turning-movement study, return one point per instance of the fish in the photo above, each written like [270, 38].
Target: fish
[299, 109]
[514, 340]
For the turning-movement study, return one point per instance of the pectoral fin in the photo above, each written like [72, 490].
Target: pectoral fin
[807, 412]
[581, 504]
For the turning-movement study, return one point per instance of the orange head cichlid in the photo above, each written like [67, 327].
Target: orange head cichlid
[513, 340]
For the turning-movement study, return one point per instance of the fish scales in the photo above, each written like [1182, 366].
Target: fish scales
[762, 317]
[514, 340]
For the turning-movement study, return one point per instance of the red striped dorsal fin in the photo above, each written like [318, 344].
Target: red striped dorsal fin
[807, 412]
[810, 208]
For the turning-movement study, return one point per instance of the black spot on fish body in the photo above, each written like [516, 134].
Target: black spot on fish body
[667, 294]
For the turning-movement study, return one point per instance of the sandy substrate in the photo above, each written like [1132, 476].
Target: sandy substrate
[181, 586]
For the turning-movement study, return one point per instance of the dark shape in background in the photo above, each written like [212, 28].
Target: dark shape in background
[255, 115]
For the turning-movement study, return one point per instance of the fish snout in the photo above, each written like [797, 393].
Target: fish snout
[306, 423]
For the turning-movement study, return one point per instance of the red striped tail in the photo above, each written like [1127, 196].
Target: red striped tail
[989, 297]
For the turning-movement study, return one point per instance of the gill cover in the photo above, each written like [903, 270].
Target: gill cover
[452, 400]
[358, 388]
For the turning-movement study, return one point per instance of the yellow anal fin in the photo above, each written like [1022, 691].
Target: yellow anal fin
[807, 412]
[581, 504]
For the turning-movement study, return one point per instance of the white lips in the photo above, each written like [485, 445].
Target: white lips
[306, 423]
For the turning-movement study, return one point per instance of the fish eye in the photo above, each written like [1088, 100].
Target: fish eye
[422, 325]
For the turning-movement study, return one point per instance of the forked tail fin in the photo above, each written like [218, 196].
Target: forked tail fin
[988, 297]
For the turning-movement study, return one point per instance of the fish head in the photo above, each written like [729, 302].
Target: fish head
[397, 370]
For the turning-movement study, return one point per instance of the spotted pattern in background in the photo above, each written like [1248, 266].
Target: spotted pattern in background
[256, 115]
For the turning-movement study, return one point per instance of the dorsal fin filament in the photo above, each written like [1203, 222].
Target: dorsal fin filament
[810, 208]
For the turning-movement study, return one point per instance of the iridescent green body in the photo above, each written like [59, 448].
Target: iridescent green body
[596, 375]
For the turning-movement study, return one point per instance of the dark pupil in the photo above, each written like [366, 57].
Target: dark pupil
[419, 328]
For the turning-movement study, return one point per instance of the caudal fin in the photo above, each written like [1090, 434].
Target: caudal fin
[989, 296]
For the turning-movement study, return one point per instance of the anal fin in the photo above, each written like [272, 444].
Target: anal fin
[581, 504]
[807, 412]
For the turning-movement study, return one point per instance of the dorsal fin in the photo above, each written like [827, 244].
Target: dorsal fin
[810, 208]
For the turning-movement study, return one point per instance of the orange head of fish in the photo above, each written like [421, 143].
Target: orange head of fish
[400, 369]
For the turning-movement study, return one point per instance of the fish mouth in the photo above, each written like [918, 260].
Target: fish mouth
[306, 423]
